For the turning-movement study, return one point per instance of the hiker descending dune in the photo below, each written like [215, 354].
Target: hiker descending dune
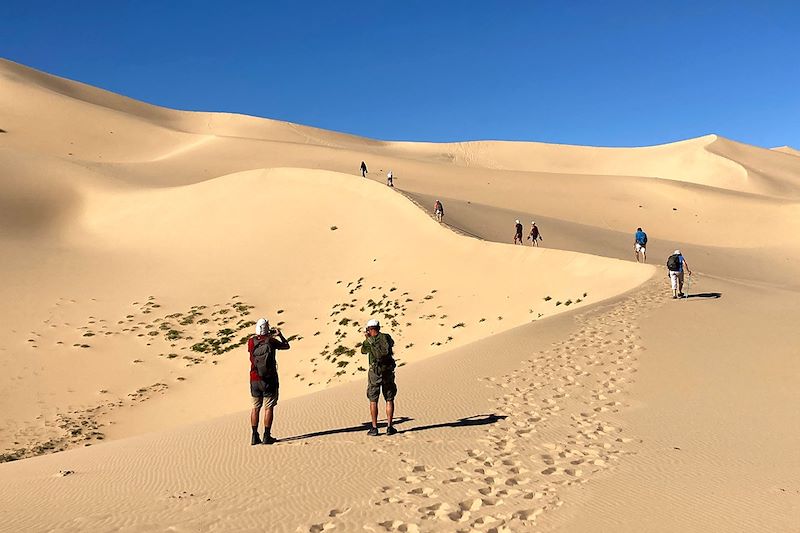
[534, 235]
[517, 232]
[438, 210]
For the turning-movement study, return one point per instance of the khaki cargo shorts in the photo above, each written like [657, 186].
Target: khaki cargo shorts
[258, 391]
[383, 381]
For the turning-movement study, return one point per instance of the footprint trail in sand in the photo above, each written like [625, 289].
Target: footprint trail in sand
[556, 428]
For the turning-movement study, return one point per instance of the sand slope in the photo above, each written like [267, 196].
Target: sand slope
[141, 242]
[787, 150]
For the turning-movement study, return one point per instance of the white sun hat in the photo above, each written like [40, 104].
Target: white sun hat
[262, 326]
[677, 252]
[373, 323]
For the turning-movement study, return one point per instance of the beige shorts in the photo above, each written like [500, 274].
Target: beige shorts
[675, 278]
[261, 397]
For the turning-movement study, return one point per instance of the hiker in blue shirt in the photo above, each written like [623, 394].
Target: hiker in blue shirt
[640, 245]
[676, 266]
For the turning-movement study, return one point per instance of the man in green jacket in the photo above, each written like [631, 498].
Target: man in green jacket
[380, 375]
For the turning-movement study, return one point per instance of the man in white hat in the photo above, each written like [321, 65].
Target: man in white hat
[264, 376]
[675, 268]
[518, 232]
[380, 375]
[534, 235]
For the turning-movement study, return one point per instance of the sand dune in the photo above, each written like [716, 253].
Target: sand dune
[141, 242]
[787, 150]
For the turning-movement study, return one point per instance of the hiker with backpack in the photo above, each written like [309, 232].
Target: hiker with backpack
[640, 245]
[264, 377]
[676, 265]
[517, 232]
[438, 210]
[380, 376]
[364, 170]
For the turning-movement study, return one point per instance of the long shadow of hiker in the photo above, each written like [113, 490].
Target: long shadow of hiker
[712, 295]
[476, 420]
[364, 426]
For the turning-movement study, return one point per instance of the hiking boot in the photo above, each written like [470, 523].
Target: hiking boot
[373, 432]
[255, 439]
[674, 297]
[268, 439]
[390, 430]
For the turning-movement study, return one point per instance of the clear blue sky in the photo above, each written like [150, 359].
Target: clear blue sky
[579, 72]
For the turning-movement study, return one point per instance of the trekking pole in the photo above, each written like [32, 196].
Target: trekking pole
[688, 285]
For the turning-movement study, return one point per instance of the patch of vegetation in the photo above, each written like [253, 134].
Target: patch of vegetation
[201, 347]
[548, 298]
[342, 350]
[459, 325]
[334, 228]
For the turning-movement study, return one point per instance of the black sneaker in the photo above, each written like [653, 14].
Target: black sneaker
[268, 439]
[390, 430]
[373, 432]
[255, 439]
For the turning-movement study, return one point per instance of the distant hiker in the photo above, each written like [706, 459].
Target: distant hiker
[675, 266]
[364, 170]
[380, 375]
[438, 210]
[534, 236]
[390, 179]
[264, 376]
[640, 245]
[518, 233]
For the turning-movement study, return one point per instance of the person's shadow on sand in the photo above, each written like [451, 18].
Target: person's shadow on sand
[705, 295]
[476, 420]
